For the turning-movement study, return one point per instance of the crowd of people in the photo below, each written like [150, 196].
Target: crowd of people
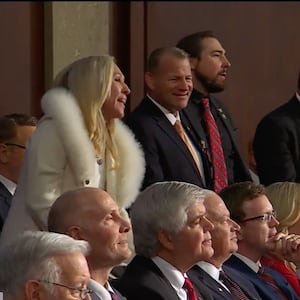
[157, 204]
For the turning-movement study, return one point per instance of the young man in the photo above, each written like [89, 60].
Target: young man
[210, 121]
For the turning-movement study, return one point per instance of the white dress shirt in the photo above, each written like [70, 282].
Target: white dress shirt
[172, 118]
[174, 276]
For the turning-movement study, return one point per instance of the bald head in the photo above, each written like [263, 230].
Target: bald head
[69, 209]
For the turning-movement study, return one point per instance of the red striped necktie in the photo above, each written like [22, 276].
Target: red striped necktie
[190, 290]
[216, 150]
[233, 287]
[269, 280]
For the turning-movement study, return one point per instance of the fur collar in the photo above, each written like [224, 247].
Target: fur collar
[124, 184]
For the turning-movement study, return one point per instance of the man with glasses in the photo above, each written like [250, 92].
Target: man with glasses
[250, 208]
[43, 265]
[15, 130]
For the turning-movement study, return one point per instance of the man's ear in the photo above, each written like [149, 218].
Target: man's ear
[33, 290]
[149, 80]
[165, 239]
[193, 62]
[239, 234]
[4, 154]
[75, 232]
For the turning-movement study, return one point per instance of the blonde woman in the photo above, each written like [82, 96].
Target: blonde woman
[79, 142]
[285, 199]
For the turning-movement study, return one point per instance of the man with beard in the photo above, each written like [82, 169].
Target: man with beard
[209, 66]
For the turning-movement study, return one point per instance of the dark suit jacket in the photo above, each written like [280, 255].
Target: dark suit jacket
[5, 202]
[143, 280]
[167, 157]
[202, 279]
[237, 170]
[264, 290]
[277, 144]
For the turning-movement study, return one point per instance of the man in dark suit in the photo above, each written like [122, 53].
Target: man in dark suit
[209, 66]
[168, 157]
[90, 214]
[209, 273]
[171, 233]
[251, 209]
[277, 143]
[15, 130]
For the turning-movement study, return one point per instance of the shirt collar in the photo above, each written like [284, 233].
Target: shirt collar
[99, 289]
[168, 114]
[298, 96]
[250, 263]
[11, 186]
[174, 276]
[209, 269]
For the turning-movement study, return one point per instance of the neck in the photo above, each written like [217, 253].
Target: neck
[100, 275]
[249, 253]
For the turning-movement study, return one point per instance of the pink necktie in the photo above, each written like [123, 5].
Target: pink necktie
[217, 155]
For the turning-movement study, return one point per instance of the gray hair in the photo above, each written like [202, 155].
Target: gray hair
[161, 206]
[31, 256]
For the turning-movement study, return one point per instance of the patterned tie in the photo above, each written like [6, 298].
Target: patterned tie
[179, 128]
[269, 280]
[233, 287]
[217, 155]
[188, 286]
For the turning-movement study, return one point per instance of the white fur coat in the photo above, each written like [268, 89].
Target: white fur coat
[61, 157]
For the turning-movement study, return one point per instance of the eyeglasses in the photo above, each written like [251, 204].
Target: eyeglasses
[16, 145]
[82, 292]
[267, 217]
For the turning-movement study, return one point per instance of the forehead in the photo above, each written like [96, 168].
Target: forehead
[173, 64]
[211, 44]
[117, 69]
[215, 206]
[103, 204]
[196, 209]
[260, 204]
[72, 265]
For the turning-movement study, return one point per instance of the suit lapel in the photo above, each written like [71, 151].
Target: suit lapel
[203, 278]
[165, 126]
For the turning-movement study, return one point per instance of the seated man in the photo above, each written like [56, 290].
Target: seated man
[42, 265]
[251, 209]
[223, 281]
[171, 234]
[91, 214]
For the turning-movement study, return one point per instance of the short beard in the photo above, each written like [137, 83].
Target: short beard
[211, 87]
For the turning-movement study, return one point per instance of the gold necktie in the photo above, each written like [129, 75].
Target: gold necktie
[180, 131]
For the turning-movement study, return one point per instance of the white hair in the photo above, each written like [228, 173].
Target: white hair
[31, 256]
[162, 205]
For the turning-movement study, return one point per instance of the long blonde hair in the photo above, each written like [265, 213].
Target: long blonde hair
[285, 199]
[90, 79]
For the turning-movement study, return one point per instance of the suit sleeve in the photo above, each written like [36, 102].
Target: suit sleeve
[273, 153]
[46, 162]
[146, 137]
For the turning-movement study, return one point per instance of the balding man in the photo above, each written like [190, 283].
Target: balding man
[91, 214]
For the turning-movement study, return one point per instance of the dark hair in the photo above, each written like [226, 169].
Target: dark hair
[155, 56]
[22, 119]
[192, 44]
[236, 194]
[9, 125]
